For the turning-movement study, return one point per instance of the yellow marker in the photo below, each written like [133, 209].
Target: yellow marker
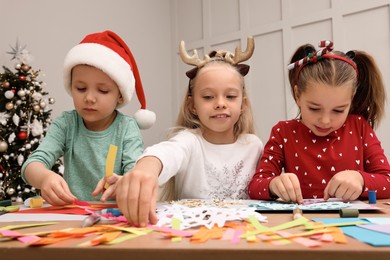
[110, 162]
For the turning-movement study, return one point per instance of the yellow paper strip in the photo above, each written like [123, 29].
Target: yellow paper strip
[27, 225]
[136, 231]
[259, 227]
[176, 225]
[110, 162]
[310, 226]
[122, 239]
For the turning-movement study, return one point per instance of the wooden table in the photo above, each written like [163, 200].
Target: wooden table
[153, 246]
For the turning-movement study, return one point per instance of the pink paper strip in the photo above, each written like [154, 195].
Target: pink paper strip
[327, 237]
[172, 231]
[264, 237]
[228, 234]
[28, 239]
[284, 234]
[236, 236]
[9, 233]
[306, 242]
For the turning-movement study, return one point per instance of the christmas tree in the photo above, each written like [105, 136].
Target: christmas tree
[24, 120]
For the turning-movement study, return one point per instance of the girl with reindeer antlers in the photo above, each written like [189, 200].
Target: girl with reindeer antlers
[331, 149]
[212, 152]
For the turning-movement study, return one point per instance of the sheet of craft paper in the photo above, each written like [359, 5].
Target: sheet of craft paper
[379, 220]
[371, 237]
[378, 228]
[312, 204]
[12, 217]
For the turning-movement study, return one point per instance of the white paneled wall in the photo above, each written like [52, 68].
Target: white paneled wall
[279, 27]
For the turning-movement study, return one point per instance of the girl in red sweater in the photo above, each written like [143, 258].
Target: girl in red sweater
[331, 149]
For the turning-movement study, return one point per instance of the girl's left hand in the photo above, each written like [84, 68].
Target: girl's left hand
[110, 192]
[346, 185]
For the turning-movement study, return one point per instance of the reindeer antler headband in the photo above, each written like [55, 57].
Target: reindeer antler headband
[327, 46]
[220, 55]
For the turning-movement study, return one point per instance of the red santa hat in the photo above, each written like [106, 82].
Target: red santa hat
[109, 53]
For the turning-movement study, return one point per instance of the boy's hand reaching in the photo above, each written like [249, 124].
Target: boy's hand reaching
[286, 186]
[55, 191]
[137, 192]
[346, 185]
[110, 192]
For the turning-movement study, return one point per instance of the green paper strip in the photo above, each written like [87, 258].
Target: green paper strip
[176, 225]
[297, 222]
[27, 225]
[122, 239]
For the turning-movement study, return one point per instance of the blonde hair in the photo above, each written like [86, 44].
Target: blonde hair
[369, 92]
[188, 120]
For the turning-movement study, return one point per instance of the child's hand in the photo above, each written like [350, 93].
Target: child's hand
[111, 191]
[137, 192]
[287, 187]
[346, 185]
[56, 191]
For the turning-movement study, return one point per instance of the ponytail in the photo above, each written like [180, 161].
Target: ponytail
[370, 96]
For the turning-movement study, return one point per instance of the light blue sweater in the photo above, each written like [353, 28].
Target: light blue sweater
[84, 152]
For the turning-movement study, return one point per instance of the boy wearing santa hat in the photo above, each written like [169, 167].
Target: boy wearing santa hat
[101, 75]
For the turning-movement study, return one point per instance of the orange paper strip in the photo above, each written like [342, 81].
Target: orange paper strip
[105, 238]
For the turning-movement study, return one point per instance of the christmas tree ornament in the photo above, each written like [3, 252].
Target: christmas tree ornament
[20, 159]
[22, 135]
[4, 116]
[36, 128]
[21, 93]
[9, 106]
[10, 191]
[3, 146]
[25, 68]
[9, 94]
[18, 66]
[11, 138]
[36, 96]
[52, 101]
[42, 104]
[37, 108]
[16, 119]
[5, 84]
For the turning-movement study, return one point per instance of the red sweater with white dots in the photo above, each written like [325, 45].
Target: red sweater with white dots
[314, 159]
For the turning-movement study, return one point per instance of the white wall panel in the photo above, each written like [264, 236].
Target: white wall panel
[311, 33]
[263, 12]
[303, 7]
[189, 23]
[224, 17]
[279, 27]
[374, 38]
[266, 83]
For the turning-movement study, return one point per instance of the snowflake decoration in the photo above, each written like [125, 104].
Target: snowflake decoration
[4, 116]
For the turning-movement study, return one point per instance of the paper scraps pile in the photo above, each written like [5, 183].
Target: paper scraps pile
[197, 221]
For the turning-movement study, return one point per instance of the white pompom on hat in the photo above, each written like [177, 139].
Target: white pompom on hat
[109, 53]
